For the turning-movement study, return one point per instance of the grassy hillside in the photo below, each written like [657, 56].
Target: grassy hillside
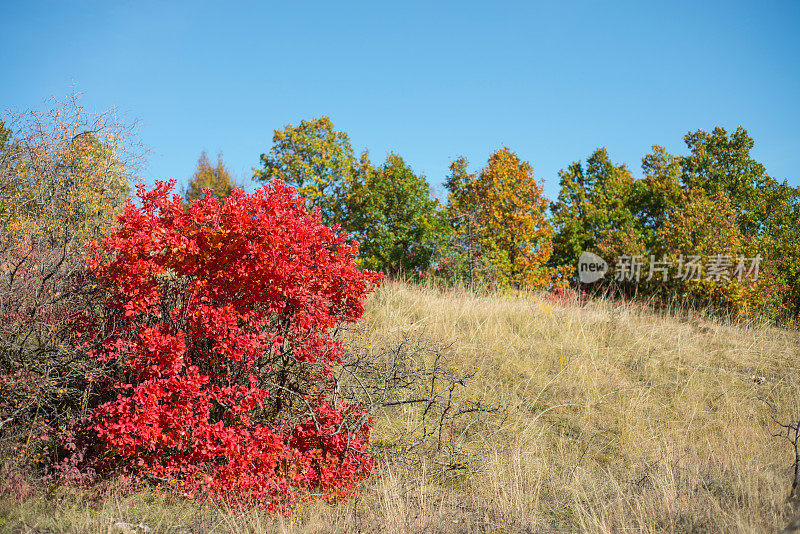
[614, 418]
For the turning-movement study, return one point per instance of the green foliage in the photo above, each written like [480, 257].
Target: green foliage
[781, 241]
[719, 163]
[388, 208]
[315, 158]
[390, 211]
[217, 178]
[766, 211]
[716, 201]
[701, 226]
[659, 193]
[595, 210]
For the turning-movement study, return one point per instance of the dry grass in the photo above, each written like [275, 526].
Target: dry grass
[619, 419]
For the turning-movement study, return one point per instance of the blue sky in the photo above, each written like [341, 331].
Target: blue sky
[552, 81]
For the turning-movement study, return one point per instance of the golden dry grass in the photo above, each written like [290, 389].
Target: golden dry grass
[618, 419]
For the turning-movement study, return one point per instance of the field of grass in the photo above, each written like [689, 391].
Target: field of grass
[614, 419]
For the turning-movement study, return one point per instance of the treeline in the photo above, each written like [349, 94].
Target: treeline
[66, 175]
[682, 233]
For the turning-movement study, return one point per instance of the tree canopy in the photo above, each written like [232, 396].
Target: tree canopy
[390, 210]
[216, 178]
[313, 157]
[507, 209]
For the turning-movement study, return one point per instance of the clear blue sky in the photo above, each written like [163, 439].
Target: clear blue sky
[550, 80]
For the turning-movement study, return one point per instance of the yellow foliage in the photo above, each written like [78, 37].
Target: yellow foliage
[65, 174]
[218, 179]
[506, 208]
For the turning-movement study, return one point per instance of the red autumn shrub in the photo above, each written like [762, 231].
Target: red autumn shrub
[566, 296]
[220, 320]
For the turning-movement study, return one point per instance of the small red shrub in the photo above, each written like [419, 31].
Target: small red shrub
[567, 296]
[220, 322]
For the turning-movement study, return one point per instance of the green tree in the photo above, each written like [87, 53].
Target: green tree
[217, 178]
[316, 159]
[703, 230]
[390, 211]
[701, 226]
[781, 241]
[660, 192]
[594, 210]
[721, 163]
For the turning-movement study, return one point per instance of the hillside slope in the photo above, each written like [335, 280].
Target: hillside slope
[617, 417]
[613, 417]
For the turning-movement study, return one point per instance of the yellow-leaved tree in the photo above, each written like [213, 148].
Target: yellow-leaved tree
[502, 209]
[206, 176]
[65, 172]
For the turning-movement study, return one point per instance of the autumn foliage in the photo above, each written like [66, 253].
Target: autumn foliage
[504, 206]
[217, 178]
[219, 323]
[64, 175]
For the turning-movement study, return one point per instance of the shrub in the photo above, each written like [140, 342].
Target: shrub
[43, 379]
[220, 324]
[566, 296]
[64, 174]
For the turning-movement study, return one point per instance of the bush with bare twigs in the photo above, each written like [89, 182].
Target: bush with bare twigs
[64, 176]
